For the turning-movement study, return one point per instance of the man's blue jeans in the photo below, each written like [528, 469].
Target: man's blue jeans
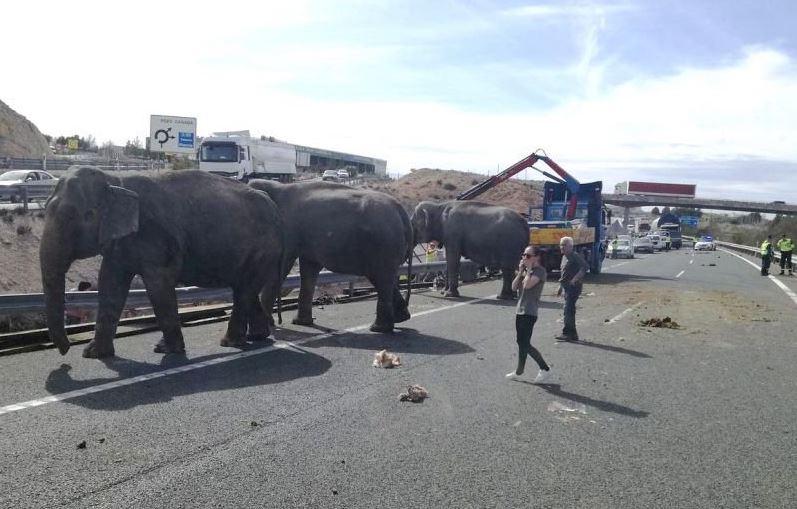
[572, 293]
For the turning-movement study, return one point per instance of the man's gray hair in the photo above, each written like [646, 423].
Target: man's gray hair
[566, 240]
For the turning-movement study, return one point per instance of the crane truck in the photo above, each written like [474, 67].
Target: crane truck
[569, 209]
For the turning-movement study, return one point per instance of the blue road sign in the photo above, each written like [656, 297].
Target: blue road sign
[185, 140]
[689, 220]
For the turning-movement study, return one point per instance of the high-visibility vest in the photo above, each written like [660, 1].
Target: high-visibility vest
[785, 245]
[765, 247]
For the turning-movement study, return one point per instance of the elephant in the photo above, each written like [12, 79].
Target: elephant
[346, 230]
[489, 235]
[185, 227]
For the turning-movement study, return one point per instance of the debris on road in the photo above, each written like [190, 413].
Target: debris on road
[665, 323]
[415, 393]
[81, 445]
[254, 424]
[385, 359]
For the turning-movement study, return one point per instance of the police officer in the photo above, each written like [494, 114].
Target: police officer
[766, 255]
[785, 246]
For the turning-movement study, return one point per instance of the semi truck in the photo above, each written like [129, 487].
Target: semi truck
[671, 224]
[237, 154]
[569, 209]
[655, 189]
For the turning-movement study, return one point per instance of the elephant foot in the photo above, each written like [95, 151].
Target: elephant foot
[299, 320]
[506, 296]
[402, 315]
[92, 351]
[451, 293]
[163, 346]
[381, 327]
[233, 343]
[258, 337]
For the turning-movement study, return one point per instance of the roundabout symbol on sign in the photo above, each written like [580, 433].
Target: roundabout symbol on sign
[163, 136]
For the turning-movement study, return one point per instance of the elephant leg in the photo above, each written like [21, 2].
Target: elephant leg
[452, 265]
[309, 274]
[258, 322]
[160, 290]
[400, 311]
[113, 285]
[239, 316]
[507, 275]
[268, 295]
[385, 286]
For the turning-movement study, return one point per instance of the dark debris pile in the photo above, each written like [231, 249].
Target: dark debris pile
[665, 323]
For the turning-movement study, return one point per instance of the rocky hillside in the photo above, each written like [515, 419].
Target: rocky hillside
[18, 136]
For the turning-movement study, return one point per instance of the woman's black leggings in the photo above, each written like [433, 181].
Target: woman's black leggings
[524, 325]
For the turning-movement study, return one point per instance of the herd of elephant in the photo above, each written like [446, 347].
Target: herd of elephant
[194, 228]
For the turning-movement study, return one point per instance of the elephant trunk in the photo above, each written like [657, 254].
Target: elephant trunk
[55, 262]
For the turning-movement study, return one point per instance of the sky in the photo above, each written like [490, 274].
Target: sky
[686, 91]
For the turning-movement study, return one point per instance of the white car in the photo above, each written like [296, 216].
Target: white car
[30, 177]
[656, 241]
[643, 244]
[621, 248]
[330, 175]
[705, 244]
[343, 174]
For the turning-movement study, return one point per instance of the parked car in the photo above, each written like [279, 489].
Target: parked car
[643, 244]
[622, 248]
[656, 241]
[16, 177]
[330, 175]
[705, 243]
[343, 174]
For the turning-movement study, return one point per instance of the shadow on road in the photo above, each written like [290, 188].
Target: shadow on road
[609, 278]
[279, 366]
[404, 340]
[609, 348]
[606, 406]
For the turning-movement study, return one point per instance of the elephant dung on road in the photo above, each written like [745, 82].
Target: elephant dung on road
[487, 234]
[346, 230]
[186, 227]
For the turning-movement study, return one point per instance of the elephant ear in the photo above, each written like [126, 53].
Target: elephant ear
[119, 215]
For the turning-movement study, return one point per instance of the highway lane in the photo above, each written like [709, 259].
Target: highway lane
[697, 417]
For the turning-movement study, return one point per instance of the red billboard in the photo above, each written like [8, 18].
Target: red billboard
[656, 189]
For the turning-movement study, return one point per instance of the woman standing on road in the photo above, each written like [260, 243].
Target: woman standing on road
[530, 279]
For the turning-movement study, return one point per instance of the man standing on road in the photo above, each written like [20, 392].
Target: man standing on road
[785, 246]
[570, 283]
[766, 255]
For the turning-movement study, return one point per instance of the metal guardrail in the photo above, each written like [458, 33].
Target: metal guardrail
[59, 164]
[750, 250]
[27, 191]
[34, 302]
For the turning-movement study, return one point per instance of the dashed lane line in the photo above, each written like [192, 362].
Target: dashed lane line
[788, 291]
[621, 315]
[198, 365]
[680, 274]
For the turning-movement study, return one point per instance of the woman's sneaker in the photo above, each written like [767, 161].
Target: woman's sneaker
[542, 377]
[512, 375]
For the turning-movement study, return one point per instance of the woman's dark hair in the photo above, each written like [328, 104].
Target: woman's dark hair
[540, 253]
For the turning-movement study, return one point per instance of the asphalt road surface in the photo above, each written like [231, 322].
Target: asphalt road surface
[700, 416]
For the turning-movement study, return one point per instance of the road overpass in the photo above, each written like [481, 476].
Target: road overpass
[629, 200]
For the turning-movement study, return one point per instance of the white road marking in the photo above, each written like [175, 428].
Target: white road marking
[680, 274]
[786, 289]
[621, 315]
[691, 261]
[198, 365]
[618, 265]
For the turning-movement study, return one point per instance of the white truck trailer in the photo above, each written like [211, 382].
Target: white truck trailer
[239, 155]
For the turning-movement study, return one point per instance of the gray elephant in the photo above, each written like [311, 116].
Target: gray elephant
[186, 227]
[346, 230]
[487, 234]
